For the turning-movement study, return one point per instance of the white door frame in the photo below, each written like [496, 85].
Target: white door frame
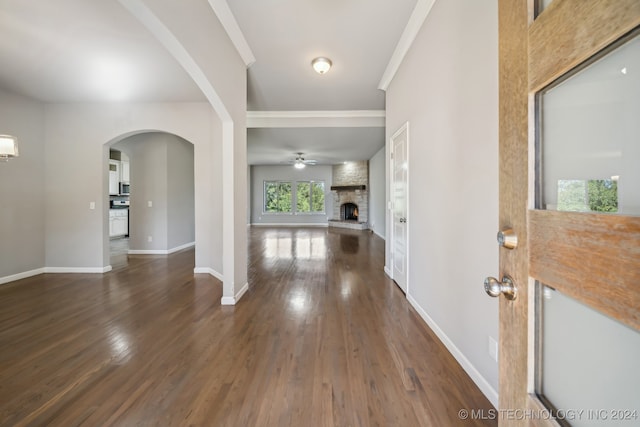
[403, 128]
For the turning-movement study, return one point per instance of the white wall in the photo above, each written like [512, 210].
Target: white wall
[180, 192]
[22, 210]
[259, 174]
[447, 89]
[377, 203]
[77, 237]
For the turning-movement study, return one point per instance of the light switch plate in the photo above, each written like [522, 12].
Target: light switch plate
[493, 349]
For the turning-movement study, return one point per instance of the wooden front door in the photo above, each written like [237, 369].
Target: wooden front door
[590, 258]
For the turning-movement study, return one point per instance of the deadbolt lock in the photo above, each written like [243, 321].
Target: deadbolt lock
[507, 239]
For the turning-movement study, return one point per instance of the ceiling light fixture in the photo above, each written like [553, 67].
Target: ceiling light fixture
[321, 65]
[8, 147]
[299, 164]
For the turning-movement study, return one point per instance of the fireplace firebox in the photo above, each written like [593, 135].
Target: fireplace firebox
[349, 212]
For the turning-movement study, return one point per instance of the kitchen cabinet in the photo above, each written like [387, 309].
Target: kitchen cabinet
[114, 177]
[124, 168]
[118, 222]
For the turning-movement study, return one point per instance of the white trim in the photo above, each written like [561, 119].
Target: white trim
[289, 224]
[160, 251]
[316, 114]
[228, 21]
[324, 118]
[91, 270]
[228, 301]
[388, 272]
[243, 290]
[23, 275]
[234, 299]
[418, 16]
[378, 234]
[181, 247]
[148, 252]
[475, 375]
[208, 270]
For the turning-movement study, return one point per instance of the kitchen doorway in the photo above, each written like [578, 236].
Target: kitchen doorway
[153, 210]
[119, 192]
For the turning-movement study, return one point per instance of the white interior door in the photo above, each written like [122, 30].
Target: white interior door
[399, 173]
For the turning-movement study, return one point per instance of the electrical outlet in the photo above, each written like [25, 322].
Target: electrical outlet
[92, 205]
[150, 239]
[493, 349]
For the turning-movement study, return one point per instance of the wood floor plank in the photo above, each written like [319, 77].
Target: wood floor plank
[322, 338]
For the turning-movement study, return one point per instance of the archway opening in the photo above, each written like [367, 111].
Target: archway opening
[152, 206]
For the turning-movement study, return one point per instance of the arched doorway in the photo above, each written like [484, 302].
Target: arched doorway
[153, 211]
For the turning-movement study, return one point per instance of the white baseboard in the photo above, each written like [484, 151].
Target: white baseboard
[378, 234]
[160, 251]
[207, 270]
[234, 299]
[23, 275]
[475, 375]
[228, 301]
[91, 270]
[242, 291]
[387, 271]
[290, 224]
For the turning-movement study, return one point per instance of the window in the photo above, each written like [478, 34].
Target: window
[310, 197]
[277, 196]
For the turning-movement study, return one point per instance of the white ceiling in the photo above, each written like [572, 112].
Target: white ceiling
[359, 37]
[86, 51]
[94, 51]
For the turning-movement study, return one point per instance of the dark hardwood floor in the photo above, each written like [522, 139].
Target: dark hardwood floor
[322, 338]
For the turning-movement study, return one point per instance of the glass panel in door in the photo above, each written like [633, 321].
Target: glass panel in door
[588, 364]
[590, 137]
[587, 367]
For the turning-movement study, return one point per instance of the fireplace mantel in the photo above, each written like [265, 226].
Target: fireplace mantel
[348, 187]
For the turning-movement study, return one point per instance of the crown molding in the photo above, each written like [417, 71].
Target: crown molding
[334, 118]
[228, 21]
[418, 16]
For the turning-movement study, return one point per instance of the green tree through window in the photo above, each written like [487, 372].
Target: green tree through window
[277, 196]
[310, 197]
[595, 195]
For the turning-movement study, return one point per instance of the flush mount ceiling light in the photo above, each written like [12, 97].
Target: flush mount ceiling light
[321, 65]
[8, 147]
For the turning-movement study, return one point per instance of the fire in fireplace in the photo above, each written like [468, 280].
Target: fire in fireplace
[349, 212]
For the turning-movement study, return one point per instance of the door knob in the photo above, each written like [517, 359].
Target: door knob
[403, 220]
[506, 287]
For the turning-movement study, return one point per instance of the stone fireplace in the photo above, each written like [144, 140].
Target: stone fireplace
[350, 196]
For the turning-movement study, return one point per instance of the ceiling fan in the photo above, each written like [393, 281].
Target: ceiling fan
[300, 162]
